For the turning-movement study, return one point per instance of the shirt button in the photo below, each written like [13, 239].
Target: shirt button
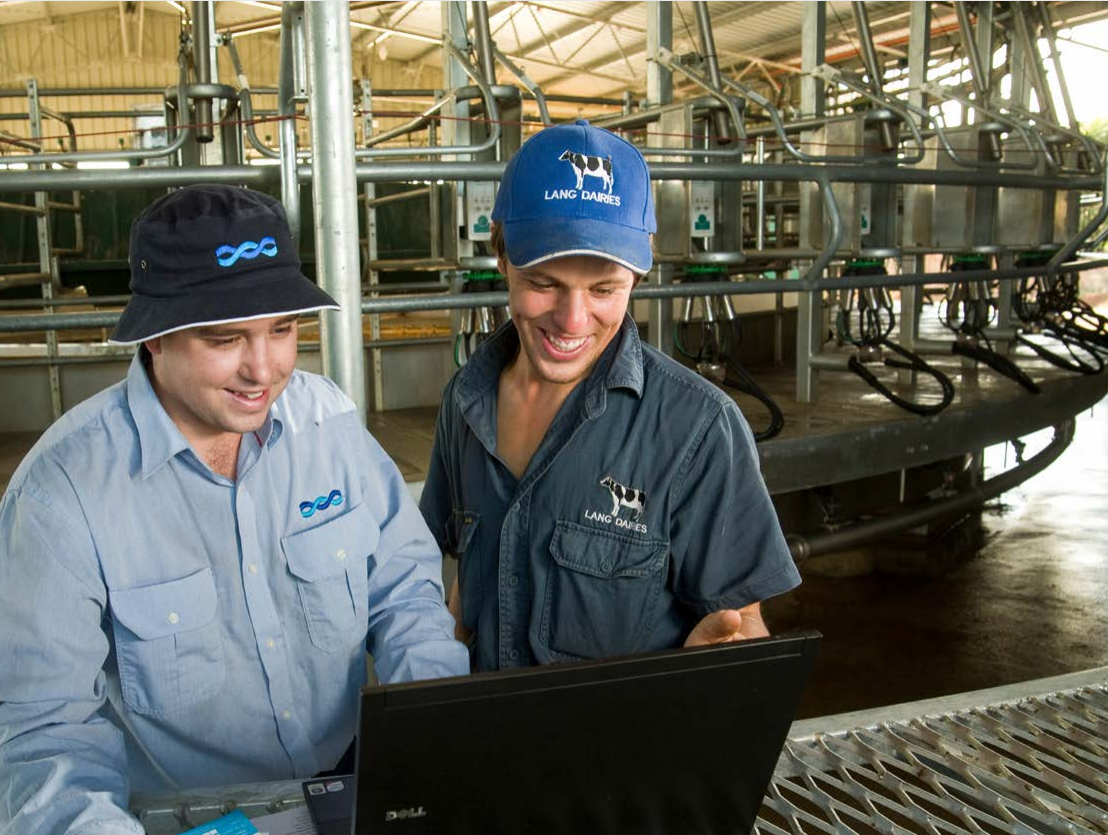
[173, 617]
[286, 714]
[513, 581]
[270, 643]
[252, 568]
[514, 655]
[340, 554]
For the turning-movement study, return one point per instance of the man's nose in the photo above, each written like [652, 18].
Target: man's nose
[257, 362]
[572, 313]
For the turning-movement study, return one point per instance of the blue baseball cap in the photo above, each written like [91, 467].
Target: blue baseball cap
[576, 190]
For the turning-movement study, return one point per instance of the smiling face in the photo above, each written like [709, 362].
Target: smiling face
[220, 380]
[566, 311]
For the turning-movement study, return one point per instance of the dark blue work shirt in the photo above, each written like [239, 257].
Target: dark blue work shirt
[642, 510]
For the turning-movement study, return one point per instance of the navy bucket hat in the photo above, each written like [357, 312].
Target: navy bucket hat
[576, 190]
[210, 254]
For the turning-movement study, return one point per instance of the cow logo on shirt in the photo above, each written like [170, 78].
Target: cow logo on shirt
[321, 503]
[622, 496]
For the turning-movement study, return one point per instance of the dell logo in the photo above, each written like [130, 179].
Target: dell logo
[402, 814]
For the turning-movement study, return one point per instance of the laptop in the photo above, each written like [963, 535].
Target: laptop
[669, 742]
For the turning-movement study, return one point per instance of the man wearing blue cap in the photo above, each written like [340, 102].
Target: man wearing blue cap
[601, 499]
[195, 560]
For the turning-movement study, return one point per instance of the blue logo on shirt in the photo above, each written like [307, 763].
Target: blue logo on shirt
[228, 255]
[321, 503]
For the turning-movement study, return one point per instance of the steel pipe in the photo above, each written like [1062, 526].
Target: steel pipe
[492, 113]
[256, 176]
[460, 301]
[334, 195]
[804, 548]
[202, 61]
[708, 48]
[291, 24]
[869, 54]
[183, 133]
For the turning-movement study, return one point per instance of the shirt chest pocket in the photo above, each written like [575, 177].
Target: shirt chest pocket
[329, 564]
[602, 592]
[168, 644]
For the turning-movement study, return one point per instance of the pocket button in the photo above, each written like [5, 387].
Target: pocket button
[340, 554]
[173, 617]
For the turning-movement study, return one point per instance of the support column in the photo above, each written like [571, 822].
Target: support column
[919, 52]
[659, 91]
[48, 262]
[809, 306]
[369, 193]
[334, 195]
[291, 86]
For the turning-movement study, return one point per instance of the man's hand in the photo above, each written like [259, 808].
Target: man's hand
[454, 604]
[728, 625]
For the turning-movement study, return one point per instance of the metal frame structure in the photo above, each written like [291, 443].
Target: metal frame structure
[728, 157]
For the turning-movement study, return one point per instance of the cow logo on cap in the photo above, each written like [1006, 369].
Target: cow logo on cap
[590, 166]
[227, 255]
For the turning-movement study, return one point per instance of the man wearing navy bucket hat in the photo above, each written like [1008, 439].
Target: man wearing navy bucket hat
[195, 560]
[600, 498]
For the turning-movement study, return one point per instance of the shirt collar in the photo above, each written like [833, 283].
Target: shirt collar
[619, 366]
[159, 438]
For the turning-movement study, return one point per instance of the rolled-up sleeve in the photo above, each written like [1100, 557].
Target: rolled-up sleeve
[62, 763]
[411, 633]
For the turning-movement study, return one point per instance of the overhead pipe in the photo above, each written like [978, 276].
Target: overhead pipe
[869, 54]
[873, 67]
[246, 103]
[183, 133]
[202, 61]
[259, 176]
[492, 113]
[19, 323]
[486, 61]
[532, 87]
[979, 75]
[1056, 58]
[1033, 61]
[292, 21]
[708, 48]
[673, 63]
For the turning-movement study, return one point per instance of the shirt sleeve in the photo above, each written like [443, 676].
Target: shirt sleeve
[63, 765]
[411, 632]
[725, 539]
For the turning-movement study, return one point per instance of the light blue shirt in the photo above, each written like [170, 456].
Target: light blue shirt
[165, 627]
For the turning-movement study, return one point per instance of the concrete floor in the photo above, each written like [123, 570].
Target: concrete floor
[1032, 602]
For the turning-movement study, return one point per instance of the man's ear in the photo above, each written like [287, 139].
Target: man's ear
[154, 346]
[502, 265]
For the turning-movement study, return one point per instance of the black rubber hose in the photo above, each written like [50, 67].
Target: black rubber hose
[998, 362]
[1074, 363]
[915, 363]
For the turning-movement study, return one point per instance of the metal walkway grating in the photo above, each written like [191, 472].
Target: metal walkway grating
[1037, 765]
